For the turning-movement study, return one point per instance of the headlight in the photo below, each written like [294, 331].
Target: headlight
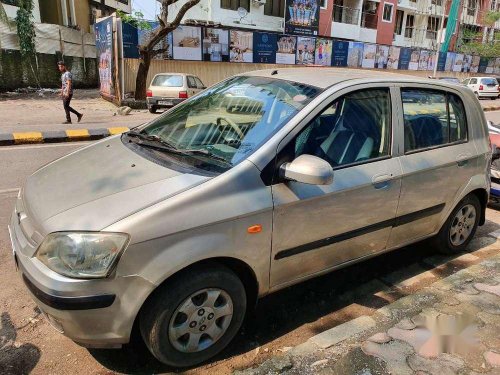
[82, 254]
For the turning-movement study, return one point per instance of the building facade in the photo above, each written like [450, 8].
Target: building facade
[405, 23]
[80, 14]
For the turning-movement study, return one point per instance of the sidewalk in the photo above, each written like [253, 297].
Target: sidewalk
[450, 327]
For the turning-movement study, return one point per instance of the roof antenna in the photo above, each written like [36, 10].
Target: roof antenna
[274, 72]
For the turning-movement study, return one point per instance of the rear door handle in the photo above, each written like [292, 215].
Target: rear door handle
[382, 181]
[463, 159]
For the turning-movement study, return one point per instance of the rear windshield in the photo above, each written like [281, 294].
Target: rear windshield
[489, 81]
[450, 79]
[168, 81]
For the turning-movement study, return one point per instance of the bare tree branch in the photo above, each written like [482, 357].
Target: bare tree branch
[158, 51]
[180, 14]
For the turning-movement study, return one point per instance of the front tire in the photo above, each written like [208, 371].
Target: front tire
[152, 109]
[460, 227]
[194, 316]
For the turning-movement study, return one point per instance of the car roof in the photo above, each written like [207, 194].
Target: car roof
[325, 77]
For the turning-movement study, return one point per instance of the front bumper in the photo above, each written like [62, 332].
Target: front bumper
[170, 102]
[96, 313]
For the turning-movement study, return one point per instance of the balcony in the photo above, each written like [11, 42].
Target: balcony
[347, 15]
[345, 23]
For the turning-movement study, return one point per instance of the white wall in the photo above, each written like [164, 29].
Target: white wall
[127, 8]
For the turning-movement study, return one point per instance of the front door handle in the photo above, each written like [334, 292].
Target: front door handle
[382, 181]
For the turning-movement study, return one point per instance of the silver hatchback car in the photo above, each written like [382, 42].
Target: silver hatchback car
[260, 182]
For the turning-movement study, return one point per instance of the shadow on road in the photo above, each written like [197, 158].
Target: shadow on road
[15, 358]
[326, 301]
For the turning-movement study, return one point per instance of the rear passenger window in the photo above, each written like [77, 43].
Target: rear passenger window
[191, 82]
[432, 119]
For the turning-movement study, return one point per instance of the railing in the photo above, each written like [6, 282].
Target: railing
[369, 20]
[343, 14]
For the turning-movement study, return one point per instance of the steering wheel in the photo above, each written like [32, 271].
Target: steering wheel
[232, 124]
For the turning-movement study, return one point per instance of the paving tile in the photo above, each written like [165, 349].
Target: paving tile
[342, 332]
[393, 353]
[493, 289]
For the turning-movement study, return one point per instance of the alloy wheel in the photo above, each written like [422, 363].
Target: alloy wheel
[462, 225]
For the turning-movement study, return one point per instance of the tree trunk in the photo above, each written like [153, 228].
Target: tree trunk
[142, 75]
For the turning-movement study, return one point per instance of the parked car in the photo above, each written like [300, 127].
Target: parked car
[181, 224]
[494, 131]
[169, 89]
[483, 87]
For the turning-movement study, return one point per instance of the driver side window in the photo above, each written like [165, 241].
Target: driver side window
[353, 129]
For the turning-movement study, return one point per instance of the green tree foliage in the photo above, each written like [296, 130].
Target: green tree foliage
[471, 42]
[135, 19]
[26, 28]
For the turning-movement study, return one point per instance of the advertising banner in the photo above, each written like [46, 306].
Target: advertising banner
[432, 61]
[414, 59]
[474, 68]
[369, 53]
[496, 70]
[490, 67]
[423, 60]
[165, 44]
[393, 59]
[483, 64]
[105, 54]
[305, 50]
[187, 43]
[215, 44]
[302, 17]
[241, 46]
[265, 47]
[450, 61]
[404, 58]
[355, 54]
[382, 57]
[441, 61]
[340, 53]
[467, 63]
[458, 63]
[323, 55]
[287, 46]
[130, 39]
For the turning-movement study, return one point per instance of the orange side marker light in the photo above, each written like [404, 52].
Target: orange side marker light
[254, 229]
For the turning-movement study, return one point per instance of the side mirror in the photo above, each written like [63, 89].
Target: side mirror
[495, 155]
[308, 169]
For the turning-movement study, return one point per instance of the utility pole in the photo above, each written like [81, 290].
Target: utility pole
[439, 38]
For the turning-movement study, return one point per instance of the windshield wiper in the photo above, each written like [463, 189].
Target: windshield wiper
[158, 142]
[206, 153]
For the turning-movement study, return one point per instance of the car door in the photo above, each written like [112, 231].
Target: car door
[192, 86]
[315, 227]
[199, 84]
[473, 84]
[437, 161]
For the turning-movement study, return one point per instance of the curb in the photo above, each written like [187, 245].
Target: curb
[57, 136]
[490, 108]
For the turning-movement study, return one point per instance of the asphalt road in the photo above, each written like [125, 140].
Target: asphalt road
[287, 318]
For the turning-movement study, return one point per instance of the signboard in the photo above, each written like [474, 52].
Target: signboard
[130, 39]
[467, 63]
[483, 64]
[432, 61]
[287, 46]
[474, 68]
[450, 60]
[441, 61]
[305, 51]
[355, 54]
[414, 59]
[490, 66]
[215, 44]
[241, 46]
[302, 17]
[393, 59]
[340, 53]
[264, 48]
[323, 55]
[369, 52]
[458, 62]
[382, 57]
[423, 60]
[165, 44]
[105, 54]
[187, 43]
[404, 58]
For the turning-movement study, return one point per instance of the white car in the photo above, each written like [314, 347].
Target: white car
[483, 87]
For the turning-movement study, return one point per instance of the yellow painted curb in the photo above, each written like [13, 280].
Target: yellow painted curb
[118, 130]
[77, 133]
[28, 137]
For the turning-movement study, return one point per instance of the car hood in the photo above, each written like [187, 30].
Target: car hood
[94, 187]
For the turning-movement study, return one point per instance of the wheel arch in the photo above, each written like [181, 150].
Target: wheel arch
[482, 195]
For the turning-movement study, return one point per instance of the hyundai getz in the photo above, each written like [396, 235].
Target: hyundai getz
[262, 181]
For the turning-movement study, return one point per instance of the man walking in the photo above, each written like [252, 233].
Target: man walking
[67, 92]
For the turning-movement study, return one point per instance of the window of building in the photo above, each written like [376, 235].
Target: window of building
[471, 7]
[432, 27]
[235, 4]
[323, 4]
[398, 26]
[432, 119]
[410, 21]
[355, 128]
[275, 8]
[437, 2]
[387, 14]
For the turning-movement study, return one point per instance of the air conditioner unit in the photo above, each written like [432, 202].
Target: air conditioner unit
[258, 3]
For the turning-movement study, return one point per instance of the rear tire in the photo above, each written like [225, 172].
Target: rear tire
[460, 227]
[194, 316]
[152, 109]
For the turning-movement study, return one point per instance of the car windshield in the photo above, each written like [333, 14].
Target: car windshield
[168, 81]
[227, 122]
[489, 81]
